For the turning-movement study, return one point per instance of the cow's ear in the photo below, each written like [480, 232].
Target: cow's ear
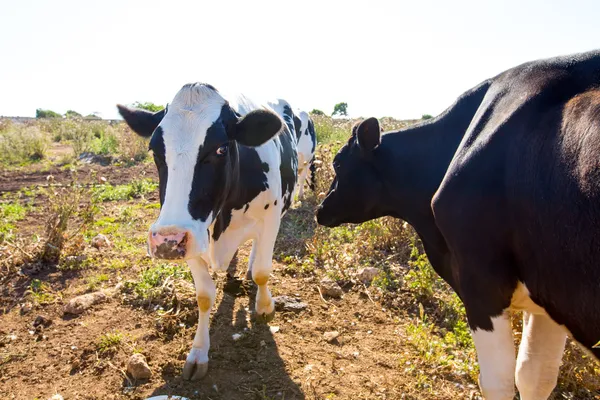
[141, 122]
[368, 134]
[256, 128]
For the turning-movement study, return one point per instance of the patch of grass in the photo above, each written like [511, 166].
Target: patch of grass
[148, 286]
[133, 190]
[95, 281]
[109, 342]
[40, 292]
[21, 144]
[9, 214]
[447, 351]
[421, 279]
[71, 210]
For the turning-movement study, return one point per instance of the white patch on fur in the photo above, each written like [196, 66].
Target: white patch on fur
[540, 355]
[305, 154]
[496, 356]
[539, 358]
[191, 113]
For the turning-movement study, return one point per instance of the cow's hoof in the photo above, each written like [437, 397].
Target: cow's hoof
[193, 371]
[265, 318]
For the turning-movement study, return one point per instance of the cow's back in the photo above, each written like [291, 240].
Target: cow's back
[523, 191]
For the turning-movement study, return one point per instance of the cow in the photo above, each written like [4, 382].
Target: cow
[307, 144]
[227, 173]
[503, 189]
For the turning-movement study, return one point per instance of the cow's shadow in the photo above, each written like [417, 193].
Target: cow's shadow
[247, 367]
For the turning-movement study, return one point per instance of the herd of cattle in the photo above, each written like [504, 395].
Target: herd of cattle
[503, 189]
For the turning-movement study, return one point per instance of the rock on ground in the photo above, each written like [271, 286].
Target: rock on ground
[79, 304]
[288, 303]
[100, 241]
[366, 275]
[330, 288]
[138, 368]
[331, 336]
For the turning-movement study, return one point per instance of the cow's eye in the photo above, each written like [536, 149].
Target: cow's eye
[221, 151]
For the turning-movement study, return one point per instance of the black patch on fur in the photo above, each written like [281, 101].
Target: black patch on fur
[297, 127]
[252, 181]
[266, 206]
[157, 145]
[275, 203]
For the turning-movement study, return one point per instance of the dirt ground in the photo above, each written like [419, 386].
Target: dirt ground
[289, 359]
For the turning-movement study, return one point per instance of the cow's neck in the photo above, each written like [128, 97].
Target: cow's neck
[413, 162]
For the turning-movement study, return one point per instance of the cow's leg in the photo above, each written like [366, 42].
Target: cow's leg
[261, 265]
[496, 356]
[196, 364]
[251, 260]
[301, 180]
[540, 355]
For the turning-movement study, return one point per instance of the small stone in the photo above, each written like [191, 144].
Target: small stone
[288, 303]
[331, 336]
[138, 368]
[56, 397]
[40, 320]
[79, 304]
[100, 241]
[330, 288]
[366, 275]
[236, 336]
[274, 329]
[26, 308]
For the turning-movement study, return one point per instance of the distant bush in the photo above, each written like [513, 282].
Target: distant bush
[40, 113]
[340, 109]
[317, 112]
[148, 106]
[73, 114]
[426, 116]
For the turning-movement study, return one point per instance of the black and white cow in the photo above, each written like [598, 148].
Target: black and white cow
[307, 144]
[504, 190]
[226, 175]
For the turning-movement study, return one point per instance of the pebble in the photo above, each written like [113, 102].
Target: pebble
[366, 275]
[331, 336]
[100, 241]
[79, 304]
[330, 288]
[138, 368]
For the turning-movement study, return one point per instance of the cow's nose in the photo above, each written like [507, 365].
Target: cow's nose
[169, 245]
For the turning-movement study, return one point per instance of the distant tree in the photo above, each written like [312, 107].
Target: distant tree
[340, 109]
[92, 116]
[73, 114]
[41, 113]
[426, 116]
[317, 112]
[148, 106]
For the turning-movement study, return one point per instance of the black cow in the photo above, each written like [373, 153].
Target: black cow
[504, 190]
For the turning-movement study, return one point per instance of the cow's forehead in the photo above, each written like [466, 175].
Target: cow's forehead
[192, 112]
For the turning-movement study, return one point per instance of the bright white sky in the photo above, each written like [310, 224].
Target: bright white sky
[384, 58]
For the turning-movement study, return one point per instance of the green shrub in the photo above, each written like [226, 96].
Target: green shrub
[22, 144]
[40, 113]
[426, 116]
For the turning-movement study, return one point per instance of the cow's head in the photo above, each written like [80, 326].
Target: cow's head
[194, 142]
[356, 190]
